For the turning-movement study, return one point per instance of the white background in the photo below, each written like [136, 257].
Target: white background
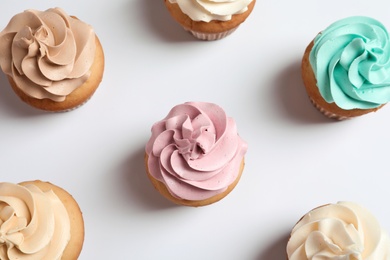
[297, 159]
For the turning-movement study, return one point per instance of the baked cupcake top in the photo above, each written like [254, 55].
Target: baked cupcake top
[33, 224]
[351, 63]
[338, 231]
[47, 53]
[195, 151]
[208, 10]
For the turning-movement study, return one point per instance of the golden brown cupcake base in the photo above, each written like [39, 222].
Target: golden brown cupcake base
[160, 187]
[78, 97]
[206, 30]
[330, 110]
[73, 249]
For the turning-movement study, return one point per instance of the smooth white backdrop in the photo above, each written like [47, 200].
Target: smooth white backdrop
[297, 159]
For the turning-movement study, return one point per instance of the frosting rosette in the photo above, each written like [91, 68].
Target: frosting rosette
[208, 10]
[195, 151]
[351, 63]
[33, 224]
[342, 231]
[47, 53]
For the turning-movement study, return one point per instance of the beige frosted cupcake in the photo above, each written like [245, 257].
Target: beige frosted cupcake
[39, 221]
[338, 231]
[53, 61]
[195, 156]
[346, 68]
[210, 20]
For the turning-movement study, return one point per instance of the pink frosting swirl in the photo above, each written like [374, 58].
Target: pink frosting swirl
[195, 151]
[48, 54]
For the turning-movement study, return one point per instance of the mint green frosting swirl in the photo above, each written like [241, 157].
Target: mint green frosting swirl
[351, 62]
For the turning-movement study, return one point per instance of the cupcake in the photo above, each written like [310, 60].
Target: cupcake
[346, 68]
[338, 231]
[208, 19]
[195, 156]
[53, 61]
[39, 221]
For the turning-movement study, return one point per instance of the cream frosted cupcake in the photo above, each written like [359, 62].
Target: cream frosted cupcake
[346, 68]
[338, 231]
[195, 156]
[39, 221]
[53, 61]
[208, 19]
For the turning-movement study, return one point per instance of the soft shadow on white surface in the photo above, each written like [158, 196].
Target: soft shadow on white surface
[10, 104]
[275, 250]
[137, 186]
[159, 21]
[291, 92]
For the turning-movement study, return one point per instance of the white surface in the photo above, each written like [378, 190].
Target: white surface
[297, 159]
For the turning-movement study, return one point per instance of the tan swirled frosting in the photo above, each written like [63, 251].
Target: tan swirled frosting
[342, 231]
[34, 225]
[47, 53]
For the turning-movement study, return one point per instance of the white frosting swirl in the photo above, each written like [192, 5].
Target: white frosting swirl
[34, 225]
[342, 231]
[208, 10]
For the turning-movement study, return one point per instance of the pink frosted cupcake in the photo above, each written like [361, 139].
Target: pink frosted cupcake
[195, 156]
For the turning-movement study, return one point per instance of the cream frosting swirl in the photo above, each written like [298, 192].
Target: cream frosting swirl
[34, 225]
[195, 151]
[351, 62]
[208, 10]
[47, 53]
[342, 231]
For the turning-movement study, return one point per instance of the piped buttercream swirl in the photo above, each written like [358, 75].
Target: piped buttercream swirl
[351, 63]
[342, 231]
[34, 225]
[195, 151]
[47, 53]
[208, 10]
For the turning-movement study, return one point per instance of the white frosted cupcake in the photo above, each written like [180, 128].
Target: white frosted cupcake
[208, 19]
[338, 231]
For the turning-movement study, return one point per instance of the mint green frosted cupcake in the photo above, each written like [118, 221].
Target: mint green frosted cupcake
[346, 68]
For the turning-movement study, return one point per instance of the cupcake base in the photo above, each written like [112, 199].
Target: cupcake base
[162, 189]
[78, 97]
[330, 110]
[73, 249]
[211, 36]
[208, 31]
